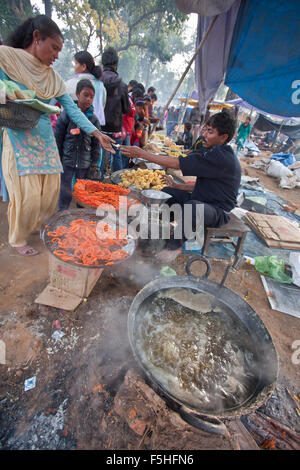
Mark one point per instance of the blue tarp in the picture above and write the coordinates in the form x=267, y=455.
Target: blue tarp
x=285, y=158
x=264, y=63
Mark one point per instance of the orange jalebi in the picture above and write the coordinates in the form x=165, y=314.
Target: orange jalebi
x=95, y=194
x=89, y=243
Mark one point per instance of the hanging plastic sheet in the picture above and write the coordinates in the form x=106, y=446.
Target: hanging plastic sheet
x=211, y=62
x=264, y=63
x=265, y=124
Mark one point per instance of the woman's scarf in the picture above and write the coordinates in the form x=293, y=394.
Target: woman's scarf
x=24, y=68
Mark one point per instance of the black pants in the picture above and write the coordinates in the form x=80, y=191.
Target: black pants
x=65, y=196
x=213, y=216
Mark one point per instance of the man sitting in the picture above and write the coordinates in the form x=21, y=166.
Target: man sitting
x=187, y=137
x=218, y=173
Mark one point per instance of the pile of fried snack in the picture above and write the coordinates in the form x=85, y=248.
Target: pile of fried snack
x=143, y=179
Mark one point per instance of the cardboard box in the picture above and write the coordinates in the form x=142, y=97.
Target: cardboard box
x=68, y=285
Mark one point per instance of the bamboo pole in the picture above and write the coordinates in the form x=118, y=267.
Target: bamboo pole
x=277, y=134
x=185, y=73
x=185, y=106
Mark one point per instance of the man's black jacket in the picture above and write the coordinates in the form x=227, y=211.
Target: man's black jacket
x=76, y=151
x=117, y=101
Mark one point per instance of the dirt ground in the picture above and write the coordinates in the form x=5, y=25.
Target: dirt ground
x=90, y=393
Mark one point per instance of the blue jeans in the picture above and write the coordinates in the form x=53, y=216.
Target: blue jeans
x=170, y=127
x=125, y=160
x=115, y=159
x=65, y=195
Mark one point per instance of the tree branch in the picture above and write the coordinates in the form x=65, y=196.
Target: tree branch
x=132, y=26
x=141, y=18
x=131, y=44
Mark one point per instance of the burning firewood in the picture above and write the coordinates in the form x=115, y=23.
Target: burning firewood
x=271, y=434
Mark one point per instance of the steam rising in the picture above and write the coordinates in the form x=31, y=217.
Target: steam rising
x=207, y=361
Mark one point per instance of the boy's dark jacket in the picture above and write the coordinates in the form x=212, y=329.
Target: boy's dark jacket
x=117, y=101
x=77, y=151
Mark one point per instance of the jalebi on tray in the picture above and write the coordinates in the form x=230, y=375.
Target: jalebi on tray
x=95, y=194
x=88, y=243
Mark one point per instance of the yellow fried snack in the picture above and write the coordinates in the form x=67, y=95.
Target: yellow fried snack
x=142, y=179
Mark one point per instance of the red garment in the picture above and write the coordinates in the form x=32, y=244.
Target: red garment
x=134, y=139
x=129, y=119
x=53, y=118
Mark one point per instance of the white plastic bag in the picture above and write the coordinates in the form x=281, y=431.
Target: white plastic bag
x=297, y=173
x=278, y=170
x=288, y=182
x=294, y=262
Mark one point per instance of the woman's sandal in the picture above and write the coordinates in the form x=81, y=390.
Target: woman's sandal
x=26, y=250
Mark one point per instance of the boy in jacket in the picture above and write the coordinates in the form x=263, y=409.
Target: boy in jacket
x=78, y=150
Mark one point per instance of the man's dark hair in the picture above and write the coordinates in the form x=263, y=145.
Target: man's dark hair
x=133, y=83
x=136, y=93
x=110, y=57
x=188, y=125
x=22, y=36
x=138, y=125
x=140, y=102
x=224, y=123
x=151, y=89
x=249, y=118
x=84, y=83
x=153, y=96
x=141, y=86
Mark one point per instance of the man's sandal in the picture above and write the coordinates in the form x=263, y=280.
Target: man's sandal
x=26, y=250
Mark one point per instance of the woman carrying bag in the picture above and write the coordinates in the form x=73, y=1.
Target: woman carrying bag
x=30, y=160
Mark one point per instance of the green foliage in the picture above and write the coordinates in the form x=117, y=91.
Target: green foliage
x=80, y=20
x=12, y=13
x=64, y=65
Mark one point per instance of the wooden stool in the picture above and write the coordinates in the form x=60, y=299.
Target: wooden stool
x=234, y=228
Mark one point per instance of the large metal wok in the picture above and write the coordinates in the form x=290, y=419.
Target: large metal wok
x=267, y=371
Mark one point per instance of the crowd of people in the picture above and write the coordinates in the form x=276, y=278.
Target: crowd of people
x=104, y=125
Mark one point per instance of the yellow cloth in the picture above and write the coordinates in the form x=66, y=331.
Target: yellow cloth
x=32, y=198
x=24, y=68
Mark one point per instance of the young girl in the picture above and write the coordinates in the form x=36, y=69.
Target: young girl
x=138, y=137
x=85, y=68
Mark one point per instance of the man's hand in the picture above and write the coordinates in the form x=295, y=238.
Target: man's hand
x=133, y=151
x=168, y=180
x=104, y=140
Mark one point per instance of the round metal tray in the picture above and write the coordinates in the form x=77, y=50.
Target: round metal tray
x=116, y=179
x=67, y=216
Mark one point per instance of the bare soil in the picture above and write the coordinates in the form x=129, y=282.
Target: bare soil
x=90, y=393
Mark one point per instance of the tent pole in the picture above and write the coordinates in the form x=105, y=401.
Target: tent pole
x=184, y=109
x=185, y=73
x=277, y=134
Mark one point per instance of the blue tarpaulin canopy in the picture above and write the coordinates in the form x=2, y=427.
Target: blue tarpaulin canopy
x=254, y=45
x=264, y=61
